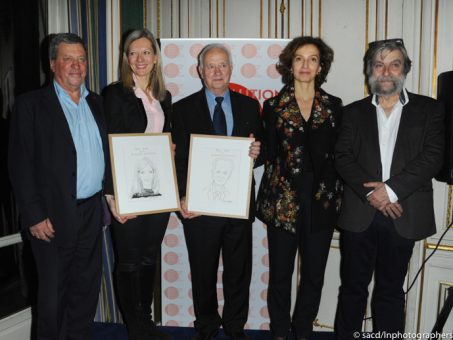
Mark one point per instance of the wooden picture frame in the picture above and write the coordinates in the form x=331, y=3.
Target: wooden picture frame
x=144, y=175
x=220, y=174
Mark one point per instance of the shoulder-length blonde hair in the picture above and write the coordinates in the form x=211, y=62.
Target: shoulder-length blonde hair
x=156, y=80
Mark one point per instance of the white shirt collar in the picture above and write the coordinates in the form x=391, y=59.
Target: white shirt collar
x=404, y=98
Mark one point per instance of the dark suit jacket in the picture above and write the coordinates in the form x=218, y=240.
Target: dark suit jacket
x=43, y=161
x=416, y=160
x=191, y=115
x=125, y=113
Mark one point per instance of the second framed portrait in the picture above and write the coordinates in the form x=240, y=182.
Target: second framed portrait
x=220, y=176
x=144, y=174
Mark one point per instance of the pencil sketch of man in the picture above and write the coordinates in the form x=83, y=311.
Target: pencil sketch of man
x=219, y=189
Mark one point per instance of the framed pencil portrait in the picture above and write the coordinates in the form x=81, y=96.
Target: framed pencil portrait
x=144, y=175
x=219, y=177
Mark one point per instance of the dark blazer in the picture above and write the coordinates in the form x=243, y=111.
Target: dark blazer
x=191, y=116
x=43, y=161
x=285, y=145
x=125, y=113
x=444, y=90
x=417, y=158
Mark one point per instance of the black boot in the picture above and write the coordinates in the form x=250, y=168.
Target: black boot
x=147, y=280
x=128, y=292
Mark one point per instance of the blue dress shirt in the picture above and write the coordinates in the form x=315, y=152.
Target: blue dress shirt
x=226, y=106
x=87, y=141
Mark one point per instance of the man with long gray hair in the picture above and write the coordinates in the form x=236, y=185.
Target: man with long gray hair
x=389, y=148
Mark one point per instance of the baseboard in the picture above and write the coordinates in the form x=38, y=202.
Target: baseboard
x=16, y=326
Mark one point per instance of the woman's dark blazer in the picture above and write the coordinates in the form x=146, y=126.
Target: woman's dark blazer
x=278, y=202
x=125, y=113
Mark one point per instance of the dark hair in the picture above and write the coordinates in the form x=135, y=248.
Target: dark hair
x=67, y=38
x=378, y=47
x=156, y=79
x=284, y=65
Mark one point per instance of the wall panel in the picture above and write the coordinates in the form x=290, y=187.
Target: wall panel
x=346, y=34
x=438, y=277
x=238, y=11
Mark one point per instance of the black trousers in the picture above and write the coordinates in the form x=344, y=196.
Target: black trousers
x=379, y=249
x=138, y=241
x=69, y=279
x=206, y=237
x=313, y=248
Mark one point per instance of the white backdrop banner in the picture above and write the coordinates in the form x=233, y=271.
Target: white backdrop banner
x=254, y=74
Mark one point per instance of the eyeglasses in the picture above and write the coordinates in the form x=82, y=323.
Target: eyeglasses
x=379, y=43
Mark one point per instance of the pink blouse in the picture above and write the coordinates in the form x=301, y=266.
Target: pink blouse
x=154, y=112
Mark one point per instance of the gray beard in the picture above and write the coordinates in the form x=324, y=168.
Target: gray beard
x=375, y=87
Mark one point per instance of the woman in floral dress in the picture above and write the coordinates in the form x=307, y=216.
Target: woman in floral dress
x=299, y=196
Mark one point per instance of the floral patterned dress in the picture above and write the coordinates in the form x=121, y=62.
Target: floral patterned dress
x=286, y=148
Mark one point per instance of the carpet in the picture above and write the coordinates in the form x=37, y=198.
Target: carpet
x=114, y=331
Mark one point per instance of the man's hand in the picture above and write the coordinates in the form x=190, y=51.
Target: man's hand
x=393, y=210
x=112, y=206
x=378, y=198
x=173, y=150
x=43, y=230
x=184, y=212
x=255, y=148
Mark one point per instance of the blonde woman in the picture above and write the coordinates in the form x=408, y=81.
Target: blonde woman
x=138, y=103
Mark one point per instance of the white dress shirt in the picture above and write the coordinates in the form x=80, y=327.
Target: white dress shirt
x=388, y=131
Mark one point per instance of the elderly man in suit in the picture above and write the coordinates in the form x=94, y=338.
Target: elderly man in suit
x=389, y=148
x=57, y=152
x=217, y=110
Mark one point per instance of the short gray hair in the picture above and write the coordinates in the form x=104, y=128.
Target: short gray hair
x=210, y=47
x=66, y=38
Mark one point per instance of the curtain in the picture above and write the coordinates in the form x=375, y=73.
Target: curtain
x=87, y=18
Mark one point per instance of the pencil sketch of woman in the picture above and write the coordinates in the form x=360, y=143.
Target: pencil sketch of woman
x=146, y=179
